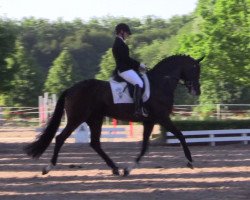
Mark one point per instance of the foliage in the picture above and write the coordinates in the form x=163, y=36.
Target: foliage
x=63, y=73
x=7, y=41
x=25, y=85
x=218, y=29
x=107, y=66
x=224, y=39
x=188, y=125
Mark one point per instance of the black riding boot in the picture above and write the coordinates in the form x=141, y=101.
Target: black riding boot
x=139, y=110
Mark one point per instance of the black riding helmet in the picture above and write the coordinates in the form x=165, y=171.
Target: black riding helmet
x=122, y=27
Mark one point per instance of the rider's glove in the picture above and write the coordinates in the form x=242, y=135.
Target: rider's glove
x=142, y=67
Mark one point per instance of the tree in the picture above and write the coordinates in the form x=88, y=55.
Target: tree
x=25, y=85
x=63, y=73
x=7, y=41
x=224, y=39
x=87, y=47
x=107, y=66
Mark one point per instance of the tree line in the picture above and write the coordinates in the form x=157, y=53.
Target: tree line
x=38, y=55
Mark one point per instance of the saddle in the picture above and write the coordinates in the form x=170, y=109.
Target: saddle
x=123, y=91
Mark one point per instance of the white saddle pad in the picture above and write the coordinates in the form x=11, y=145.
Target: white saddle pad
x=121, y=94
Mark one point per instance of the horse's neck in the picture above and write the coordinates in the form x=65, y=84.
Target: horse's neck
x=167, y=81
x=161, y=74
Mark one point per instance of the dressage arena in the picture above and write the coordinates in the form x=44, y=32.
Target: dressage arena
x=221, y=172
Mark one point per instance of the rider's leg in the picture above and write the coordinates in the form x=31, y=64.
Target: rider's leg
x=132, y=77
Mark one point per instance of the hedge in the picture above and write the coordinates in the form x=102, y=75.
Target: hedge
x=188, y=125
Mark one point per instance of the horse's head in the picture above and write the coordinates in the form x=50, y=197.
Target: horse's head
x=177, y=68
x=190, y=75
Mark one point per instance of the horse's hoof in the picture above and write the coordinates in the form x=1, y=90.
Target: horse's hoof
x=47, y=169
x=190, y=165
x=44, y=171
x=116, y=172
x=126, y=172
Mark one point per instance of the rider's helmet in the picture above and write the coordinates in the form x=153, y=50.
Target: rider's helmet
x=122, y=27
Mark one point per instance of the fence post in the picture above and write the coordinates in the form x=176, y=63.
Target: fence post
x=45, y=105
x=41, y=111
x=54, y=101
x=244, y=135
x=212, y=143
x=218, y=111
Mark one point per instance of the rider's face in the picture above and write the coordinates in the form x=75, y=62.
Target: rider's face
x=124, y=35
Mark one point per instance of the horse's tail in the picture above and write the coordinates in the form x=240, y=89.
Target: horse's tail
x=36, y=148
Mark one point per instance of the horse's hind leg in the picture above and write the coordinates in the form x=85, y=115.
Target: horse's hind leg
x=60, y=139
x=95, y=125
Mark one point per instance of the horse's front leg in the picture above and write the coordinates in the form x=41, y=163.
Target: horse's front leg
x=148, y=127
x=95, y=125
x=168, y=125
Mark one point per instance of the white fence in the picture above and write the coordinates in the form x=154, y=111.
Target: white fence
x=212, y=136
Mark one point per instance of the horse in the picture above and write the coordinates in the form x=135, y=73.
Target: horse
x=91, y=100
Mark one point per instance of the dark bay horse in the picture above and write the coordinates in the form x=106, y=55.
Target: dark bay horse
x=90, y=100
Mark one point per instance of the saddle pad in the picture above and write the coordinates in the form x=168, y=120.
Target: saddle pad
x=121, y=94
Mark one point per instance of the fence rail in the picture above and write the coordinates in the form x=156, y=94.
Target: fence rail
x=212, y=136
x=19, y=116
x=212, y=111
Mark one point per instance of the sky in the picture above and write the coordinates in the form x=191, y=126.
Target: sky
x=69, y=10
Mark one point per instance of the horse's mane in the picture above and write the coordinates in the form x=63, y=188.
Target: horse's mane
x=173, y=58
x=168, y=64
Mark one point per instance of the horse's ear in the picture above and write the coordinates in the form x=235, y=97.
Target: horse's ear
x=200, y=59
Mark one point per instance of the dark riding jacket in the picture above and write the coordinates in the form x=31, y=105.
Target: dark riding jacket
x=121, y=54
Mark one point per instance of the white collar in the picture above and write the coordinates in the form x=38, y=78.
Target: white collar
x=121, y=38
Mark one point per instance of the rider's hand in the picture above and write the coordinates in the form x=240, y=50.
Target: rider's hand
x=142, y=68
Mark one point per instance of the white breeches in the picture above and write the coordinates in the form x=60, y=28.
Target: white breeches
x=132, y=77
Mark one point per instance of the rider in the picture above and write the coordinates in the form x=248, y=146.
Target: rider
x=127, y=66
